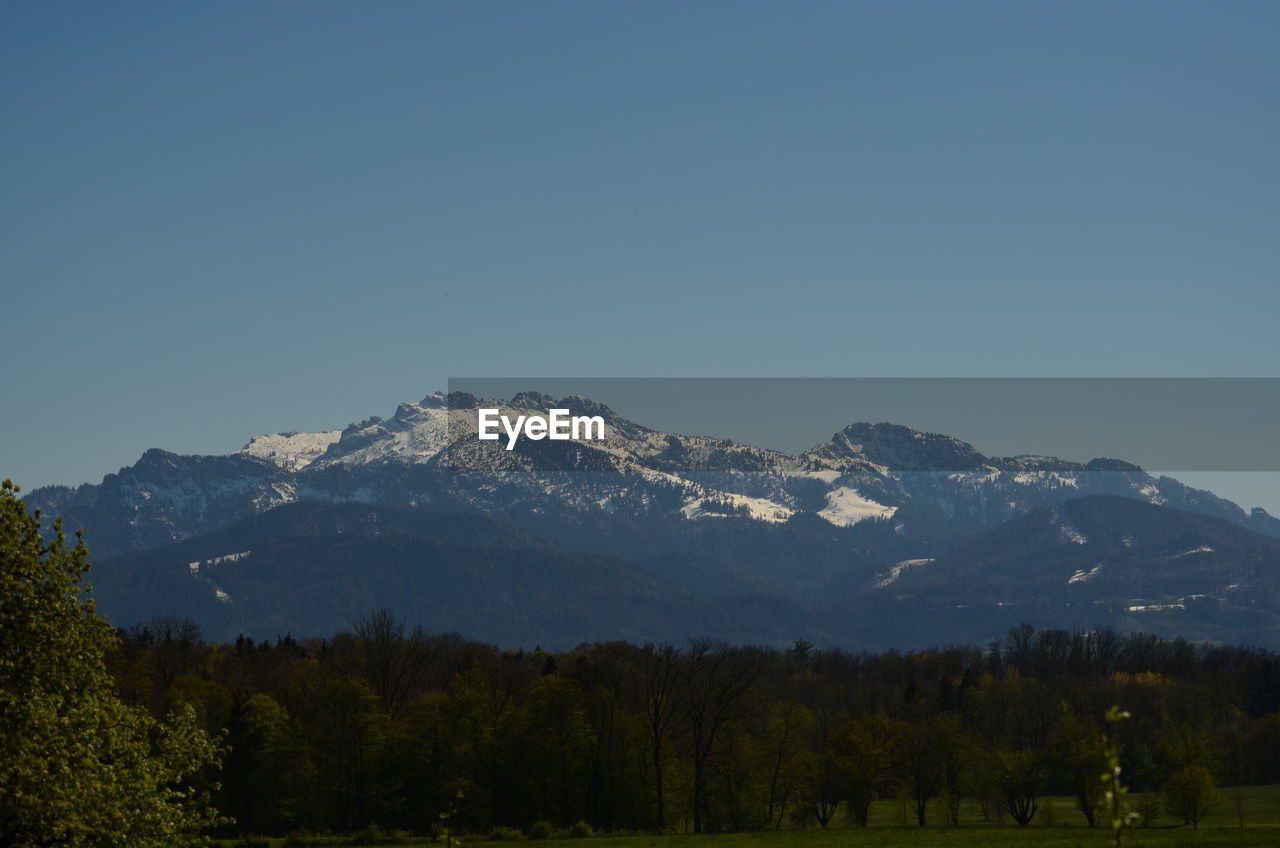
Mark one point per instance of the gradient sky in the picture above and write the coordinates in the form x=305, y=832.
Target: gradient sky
x=223, y=219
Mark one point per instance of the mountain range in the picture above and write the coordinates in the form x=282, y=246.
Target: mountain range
x=882, y=536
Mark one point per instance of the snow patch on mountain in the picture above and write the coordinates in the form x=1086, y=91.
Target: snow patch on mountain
x=1176, y=605
x=194, y=567
x=1045, y=478
x=1070, y=534
x=291, y=451
x=725, y=504
x=1082, y=576
x=1151, y=494
x=895, y=570
x=846, y=507
x=826, y=475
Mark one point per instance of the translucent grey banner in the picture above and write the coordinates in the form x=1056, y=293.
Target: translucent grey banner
x=1164, y=424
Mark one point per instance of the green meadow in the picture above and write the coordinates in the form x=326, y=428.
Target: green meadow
x=1058, y=823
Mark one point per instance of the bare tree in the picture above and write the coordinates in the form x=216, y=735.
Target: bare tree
x=716, y=677
x=661, y=673
x=393, y=663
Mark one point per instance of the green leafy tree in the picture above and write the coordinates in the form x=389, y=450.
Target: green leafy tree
x=1077, y=754
x=558, y=747
x=956, y=752
x=921, y=767
x=867, y=751
x=1018, y=777
x=1190, y=795
x=80, y=768
x=269, y=774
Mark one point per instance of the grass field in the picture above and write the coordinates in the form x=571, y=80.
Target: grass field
x=896, y=837
x=1262, y=830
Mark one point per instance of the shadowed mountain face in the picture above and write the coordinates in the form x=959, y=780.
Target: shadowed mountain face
x=315, y=568
x=881, y=536
x=1090, y=562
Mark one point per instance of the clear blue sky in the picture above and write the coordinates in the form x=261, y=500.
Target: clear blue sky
x=222, y=219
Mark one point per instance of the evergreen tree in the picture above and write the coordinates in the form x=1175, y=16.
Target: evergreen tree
x=80, y=768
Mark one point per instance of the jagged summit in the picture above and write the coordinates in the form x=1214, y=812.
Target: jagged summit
x=532, y=400
x=586, y=406
x=901, y=448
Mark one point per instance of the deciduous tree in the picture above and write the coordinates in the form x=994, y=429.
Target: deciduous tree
x=80, y=768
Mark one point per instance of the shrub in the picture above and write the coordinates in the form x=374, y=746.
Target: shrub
x=542, y=829
x=307, y=839
x=505, y=834
x=374, y=835
x=581, y=830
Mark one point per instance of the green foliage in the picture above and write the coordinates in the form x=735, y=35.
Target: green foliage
x=269, y=773
x=1019, y=779
x=1148, y=808
x=506, y=834
x=1078, y=758
x=557, y=742
x=542, y=829
x=888, y=836
x=1190, y=795
x=605, y=733
x=864, y=755
x=1115, y=793
x=580, y=830
x=374, y=835
x=80, y=768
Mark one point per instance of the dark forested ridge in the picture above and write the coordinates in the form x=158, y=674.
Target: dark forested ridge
x=301, y=567
x=390, y=726
x=1089, y=563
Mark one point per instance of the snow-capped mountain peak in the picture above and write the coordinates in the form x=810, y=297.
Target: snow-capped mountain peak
x=868, y=476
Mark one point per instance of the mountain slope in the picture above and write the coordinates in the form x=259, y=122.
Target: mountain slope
x=309, y=569
x=1090, y=562
x=681, y=524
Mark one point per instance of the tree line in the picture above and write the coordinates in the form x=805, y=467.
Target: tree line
x=387, y=725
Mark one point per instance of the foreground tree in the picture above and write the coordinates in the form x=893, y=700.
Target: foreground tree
x=1077, y=755
x=868, y=749
x=80, y=768
x=1017, y=776
x=1191, y=795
